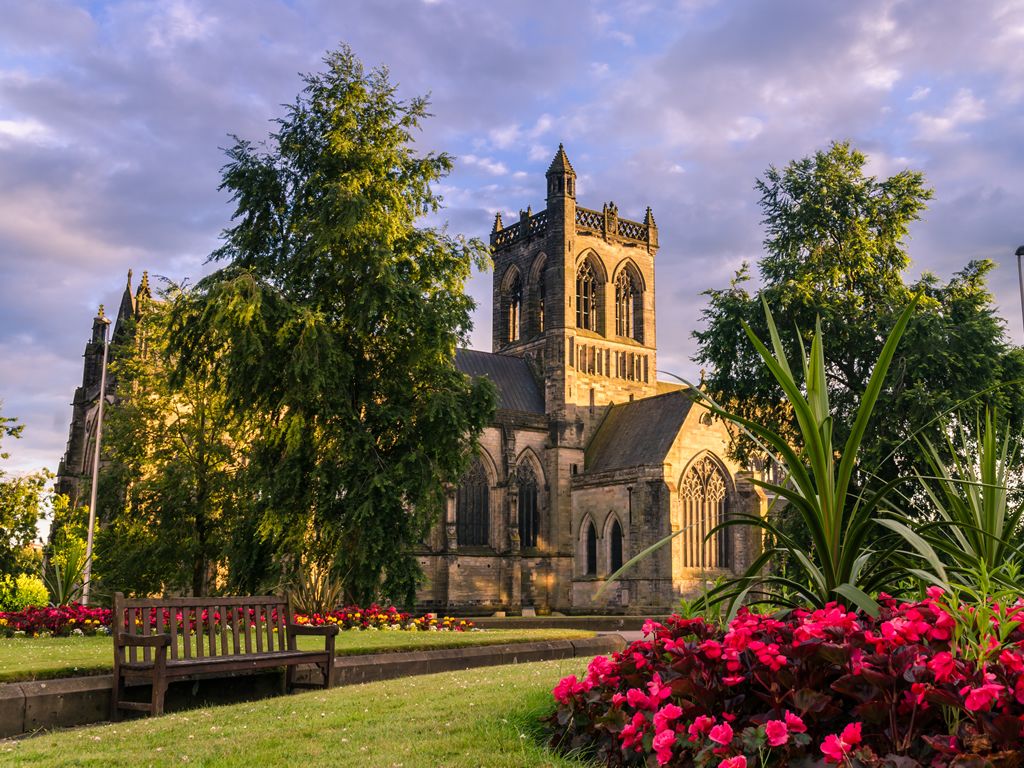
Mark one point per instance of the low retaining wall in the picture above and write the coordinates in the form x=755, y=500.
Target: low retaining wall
x=592, y=623
x=70, y=701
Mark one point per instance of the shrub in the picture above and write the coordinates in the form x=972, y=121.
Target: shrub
x=804, y=687
x=19, y=592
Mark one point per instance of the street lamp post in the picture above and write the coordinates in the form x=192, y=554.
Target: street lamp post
x=1020, y=279
x=87, y=573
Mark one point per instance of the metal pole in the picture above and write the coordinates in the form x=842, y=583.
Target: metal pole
x=87, y=573
x=1020, y=278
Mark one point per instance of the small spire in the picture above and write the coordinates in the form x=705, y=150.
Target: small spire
x=498, y=224
x=560, y=163
x=129, y=278
x=649, y=218
x=144, y=286
x=99, y=312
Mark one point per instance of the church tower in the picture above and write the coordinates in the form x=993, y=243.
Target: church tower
x=574, y=293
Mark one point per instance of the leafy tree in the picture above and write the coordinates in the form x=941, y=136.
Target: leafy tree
x=834, y=251
x=175, y=455
x=333, y=323
x=21, y=507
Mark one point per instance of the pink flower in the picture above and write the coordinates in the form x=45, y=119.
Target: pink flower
x=836, y=748
x=663, y=746
x=564, y=690
x=633, y=734
x=700, y=726
x=982, y=697
x=794, y=723
x=711, y=648
x=664, y=717
x=721, y=734
x=777, y=732
x=734, y=762
x=733, y=679
x=942, y=665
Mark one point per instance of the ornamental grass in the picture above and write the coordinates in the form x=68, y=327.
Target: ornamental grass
x=809, y=687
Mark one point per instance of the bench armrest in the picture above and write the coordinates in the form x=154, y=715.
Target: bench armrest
x=152, y=641
x=327, y=630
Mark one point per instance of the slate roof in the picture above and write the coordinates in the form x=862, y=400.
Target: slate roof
x=638, y=433
x=518, y=390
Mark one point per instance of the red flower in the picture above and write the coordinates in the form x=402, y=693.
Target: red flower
x=721, y=734
x=777, y=732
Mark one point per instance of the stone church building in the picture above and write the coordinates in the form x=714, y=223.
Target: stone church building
x=590, y=459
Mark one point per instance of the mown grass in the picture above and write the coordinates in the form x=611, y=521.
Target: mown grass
x=45, y=658
x=484, y=717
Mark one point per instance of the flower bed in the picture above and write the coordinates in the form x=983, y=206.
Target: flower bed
x=810, y=687
x=60, y=621
x=375, y=617
x=76, y=619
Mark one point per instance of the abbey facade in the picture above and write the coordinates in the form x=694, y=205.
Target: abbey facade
x=590, y=459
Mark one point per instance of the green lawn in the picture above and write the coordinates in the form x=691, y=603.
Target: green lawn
x=44, y=658
x=485, y=717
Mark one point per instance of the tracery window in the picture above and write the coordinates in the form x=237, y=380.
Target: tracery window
x=628, y=306
x=542, y=292
x=586, y=297
x=514, y=298
x=591, y=553
x=529, y=514
x=473, y=507
x=703, y=496
x=615, y=548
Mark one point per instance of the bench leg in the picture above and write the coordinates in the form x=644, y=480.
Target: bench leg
x=116, y=694
x=289, y=678
x=159, y=683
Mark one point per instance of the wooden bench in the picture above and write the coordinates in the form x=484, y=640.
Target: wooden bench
x=160, y=640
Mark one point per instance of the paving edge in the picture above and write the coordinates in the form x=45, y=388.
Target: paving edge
x=64, y=702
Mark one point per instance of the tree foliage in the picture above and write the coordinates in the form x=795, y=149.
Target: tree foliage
x=332, y=324
x=835, y=252
x=21, y=507
x=172, y=489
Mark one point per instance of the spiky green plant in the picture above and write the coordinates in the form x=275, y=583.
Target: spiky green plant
x=820, y=486
x=973, y=538
x=64, y=572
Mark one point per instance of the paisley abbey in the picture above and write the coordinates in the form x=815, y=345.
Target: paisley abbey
x=590, y=459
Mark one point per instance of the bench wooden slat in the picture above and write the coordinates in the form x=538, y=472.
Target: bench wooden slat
x=199, y=633
x=247, y=624
x=223, y=611
x=147, y=652
x=173, y=630
x=133, y=629
x=258, y=621
x=235, y=620
x=186, y=632
x=268, y=611
x=211, y=624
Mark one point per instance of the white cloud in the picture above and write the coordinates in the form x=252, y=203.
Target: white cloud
x=964, y=108
x=920, y=92
x=486, y=164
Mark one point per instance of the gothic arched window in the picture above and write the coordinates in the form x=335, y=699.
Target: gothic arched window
x=514, y=301
x=703, y=496
x=615, y=548
x=529, y=514
x=591, y=550
x=542, y=292
x=586, y=297
x=628, y=306
x=473, y=507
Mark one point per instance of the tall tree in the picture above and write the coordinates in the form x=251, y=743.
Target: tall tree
x=835, y=250
x=21, y=507
x=172, y=488
x=333, y=322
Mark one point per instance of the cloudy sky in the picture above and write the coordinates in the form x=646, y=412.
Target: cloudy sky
x=112, y=116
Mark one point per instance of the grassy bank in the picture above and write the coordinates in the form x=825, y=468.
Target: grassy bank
x=485, y=717
x=46, y=658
